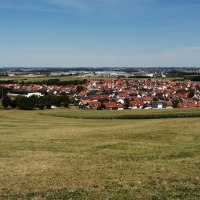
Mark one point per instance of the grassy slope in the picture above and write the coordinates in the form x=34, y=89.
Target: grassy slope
x=57, y=158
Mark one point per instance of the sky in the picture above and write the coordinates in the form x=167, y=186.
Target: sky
x=94, y=33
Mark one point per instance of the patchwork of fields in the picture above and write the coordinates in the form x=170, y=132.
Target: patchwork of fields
x=48, y=157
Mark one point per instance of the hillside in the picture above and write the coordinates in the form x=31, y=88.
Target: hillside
x=46, y=157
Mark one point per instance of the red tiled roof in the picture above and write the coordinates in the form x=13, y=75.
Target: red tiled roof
x=110, y=105
x=136, y=103
x=93, y=103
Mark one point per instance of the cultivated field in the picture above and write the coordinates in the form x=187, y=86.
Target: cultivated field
x=32, y=78
x=48, y=157
x=124, y=114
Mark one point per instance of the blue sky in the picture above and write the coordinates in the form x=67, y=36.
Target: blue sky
x=70, y=33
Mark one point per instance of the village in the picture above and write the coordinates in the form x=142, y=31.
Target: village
x=118, y=94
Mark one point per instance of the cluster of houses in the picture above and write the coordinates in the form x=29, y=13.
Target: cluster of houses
x=123, y=94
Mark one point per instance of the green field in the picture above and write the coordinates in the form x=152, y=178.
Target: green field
x=33, y=78
x=48, y=157
x=124, y=114
x=27, y=78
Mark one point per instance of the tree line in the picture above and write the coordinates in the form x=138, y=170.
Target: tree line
x=55, y=81
x=35, y=102
x=58, y=82
x=4, y=91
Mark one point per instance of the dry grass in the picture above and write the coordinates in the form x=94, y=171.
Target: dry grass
x=45, y=157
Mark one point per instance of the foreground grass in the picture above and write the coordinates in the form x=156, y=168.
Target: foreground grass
x=45, y=157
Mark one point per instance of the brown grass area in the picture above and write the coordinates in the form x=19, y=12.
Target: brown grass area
x=45, y=157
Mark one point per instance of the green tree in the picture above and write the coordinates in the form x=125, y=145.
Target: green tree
x=191, y=93
x=64, y=100
x=46, y=101
x=79, y=88
x=24, y=103
x=6, y=101
x=14, y=103
x=175, y=103
x=126, y=103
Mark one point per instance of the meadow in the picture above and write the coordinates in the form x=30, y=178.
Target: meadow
x=44, y=156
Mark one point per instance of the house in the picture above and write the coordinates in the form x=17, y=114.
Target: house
x=123, y=96
x=34, y=93
x=93, y=104
x=97, y=97
x=147, y=100
x=120, y=107
x=158, y=104
x=187, y=104
x=15, y=93
x=136, y=104
x=83, y=102
x=110, y=106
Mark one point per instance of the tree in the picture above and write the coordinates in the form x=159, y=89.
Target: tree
x=4, y=91
x=25, y=103
x=6, y=101
x=46, y=101
x=126, y=103
x=43, y=91
x=191, y=93
x=13, y=103
x=56, y=101
x=66, y=104
x=64, y=100
x=175, y=103
x=34, y=99
x=79, y=88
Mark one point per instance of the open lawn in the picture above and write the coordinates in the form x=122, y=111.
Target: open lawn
x=47, y=157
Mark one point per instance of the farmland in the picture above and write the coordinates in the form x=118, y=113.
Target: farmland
x=124, y=114
x=44, y=156
x=34, y=78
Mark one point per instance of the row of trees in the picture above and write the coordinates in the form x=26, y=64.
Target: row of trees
x=58, y=82
x=4, y=91
x=55, y=81
x=34, y=102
